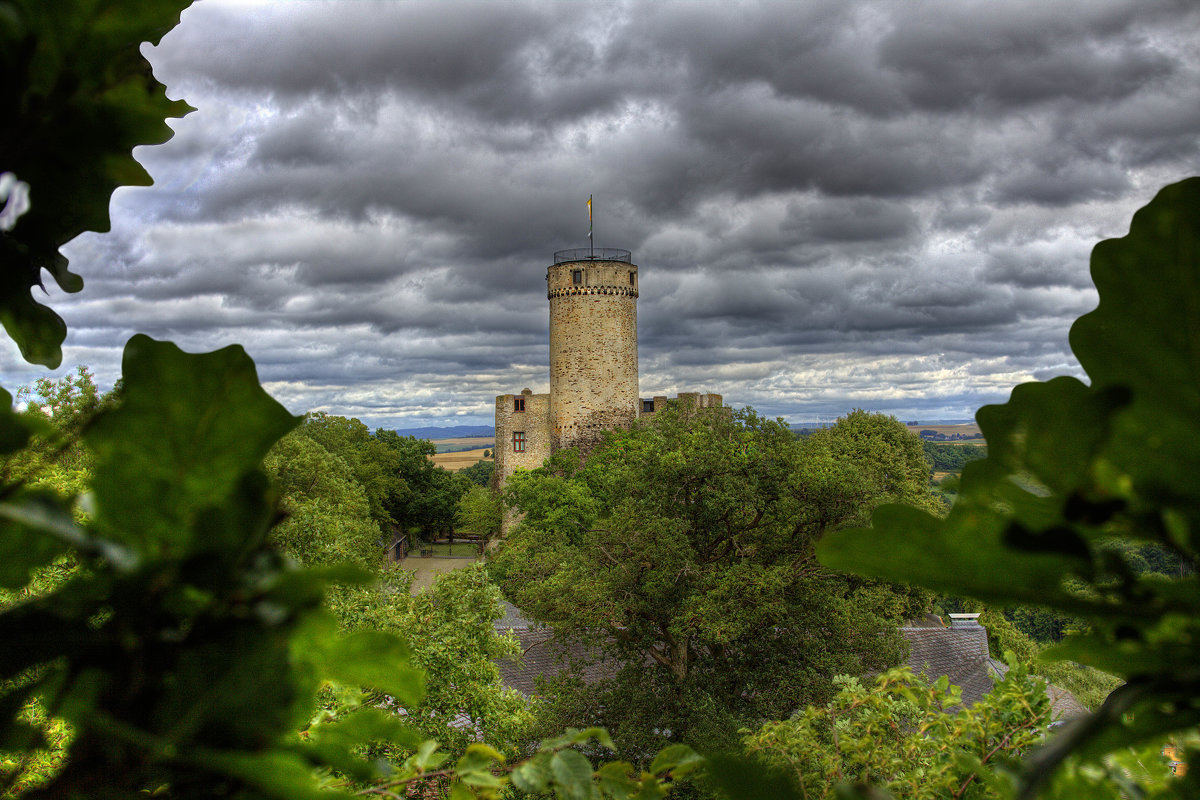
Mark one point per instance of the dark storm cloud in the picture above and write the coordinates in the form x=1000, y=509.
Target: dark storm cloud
x=1002, y=56
x=833, y=204
x=302, y=49
x=856, y=221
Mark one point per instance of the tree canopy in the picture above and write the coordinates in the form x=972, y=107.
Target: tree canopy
x=900, y=733
x=404, y=488
x=683, y=550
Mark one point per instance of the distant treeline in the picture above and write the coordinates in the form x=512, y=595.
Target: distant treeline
x=952, y=457
x=450, y=432
x=937, y=436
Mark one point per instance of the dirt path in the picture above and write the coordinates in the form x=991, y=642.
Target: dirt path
x=429, y=568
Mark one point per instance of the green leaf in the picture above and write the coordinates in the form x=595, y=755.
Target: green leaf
x=599, y=734
x=615, y=780
x=378, y=660
x=532, y=776
x=651, y=789
x=15, y=734
x=427, y=757
x=572, y=774
x=275, y=773
x=679, y=759
x=24, y=545
x=79, y=96
x=743, y=779
x=15, y=429
x=475, y=766
x=216, y=692
x=188, y=428
x=365, y=726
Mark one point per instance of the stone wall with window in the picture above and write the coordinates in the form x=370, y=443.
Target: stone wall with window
x=522, y=432
x=690, y=399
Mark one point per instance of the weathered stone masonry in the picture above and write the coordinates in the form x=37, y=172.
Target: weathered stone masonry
x=593, y=365
x=522, y=431
x=593, y=350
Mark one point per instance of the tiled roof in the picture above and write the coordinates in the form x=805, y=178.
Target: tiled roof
x=960, y=653
x=545, y=655
x=512, y=619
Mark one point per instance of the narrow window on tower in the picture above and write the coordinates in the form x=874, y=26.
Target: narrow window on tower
x=577, y=277
x=518, y=441
x=631, y=281
x=518, y=404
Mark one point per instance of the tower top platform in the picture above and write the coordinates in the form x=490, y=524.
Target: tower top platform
x=593, y=254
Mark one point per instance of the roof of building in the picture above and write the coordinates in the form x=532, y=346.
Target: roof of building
x=543, y=655
x=960, y=652
x=512, y=619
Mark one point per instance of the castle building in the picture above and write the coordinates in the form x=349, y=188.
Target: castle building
x=593, y=295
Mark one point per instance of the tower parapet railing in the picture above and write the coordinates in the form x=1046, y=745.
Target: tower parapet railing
x=593, y=254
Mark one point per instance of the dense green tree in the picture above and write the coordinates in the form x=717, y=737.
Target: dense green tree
x=58, y=411
x=880, y=462
x=450, y=628
x=404, y=488
x=683, y=549
x=377, y=468
x=952, y=457
x=901, y=734
x=68, y=402
x=429, y=497
x=327, y=514
x=480, y=511
x=480, y=473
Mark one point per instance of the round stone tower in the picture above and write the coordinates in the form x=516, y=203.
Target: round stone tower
x=593, y=344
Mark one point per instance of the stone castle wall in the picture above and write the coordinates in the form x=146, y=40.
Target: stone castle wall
x=691, y=399
x=593, y=350
x=533, y=422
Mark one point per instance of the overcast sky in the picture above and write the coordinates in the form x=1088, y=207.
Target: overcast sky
x=883, y=205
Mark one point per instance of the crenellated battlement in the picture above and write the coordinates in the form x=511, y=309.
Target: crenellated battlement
x=623, y=291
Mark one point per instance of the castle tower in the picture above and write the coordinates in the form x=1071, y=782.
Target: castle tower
x=593, y=344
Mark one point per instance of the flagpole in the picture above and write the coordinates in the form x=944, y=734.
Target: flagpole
x=591, y=239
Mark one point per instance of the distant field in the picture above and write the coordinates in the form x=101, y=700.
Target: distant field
x=965, y=429
x=460, y=460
